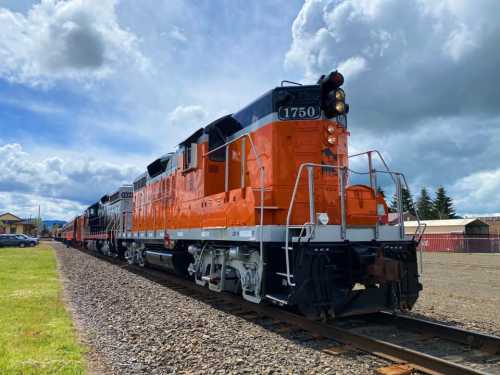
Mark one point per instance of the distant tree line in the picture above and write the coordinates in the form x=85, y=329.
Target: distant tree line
x=438, y=208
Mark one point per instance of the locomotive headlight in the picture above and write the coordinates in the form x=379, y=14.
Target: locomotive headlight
x=340, y=95
x=323, y=218
x=331, y=140
x=331, y=129
x=340, y=107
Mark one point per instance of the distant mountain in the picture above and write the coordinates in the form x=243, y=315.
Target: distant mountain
x=50, y=223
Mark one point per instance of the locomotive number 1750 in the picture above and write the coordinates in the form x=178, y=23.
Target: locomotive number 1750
x=299, y=113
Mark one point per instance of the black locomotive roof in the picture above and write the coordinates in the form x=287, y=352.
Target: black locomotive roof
x=159, y=166
x=193, y=137
x=92, y=210
x=225, y=126
x=94, y=205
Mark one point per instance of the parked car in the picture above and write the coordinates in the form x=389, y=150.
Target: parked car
x=15, y=240
x=29, y=238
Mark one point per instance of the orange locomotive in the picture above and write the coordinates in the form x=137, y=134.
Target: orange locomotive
x=260, y=203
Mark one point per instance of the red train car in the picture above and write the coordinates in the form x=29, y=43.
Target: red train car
x=67, y=232
x=78, y=229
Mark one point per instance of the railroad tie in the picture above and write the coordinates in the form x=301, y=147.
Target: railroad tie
x=397, y=369
x=336, y=350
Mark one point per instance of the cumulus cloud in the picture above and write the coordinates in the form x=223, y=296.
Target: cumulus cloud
x=190, y=116
x=56, y=39
x=26, y=205
x=80, y=181
x=353, y=66
x=441, y=152
x=478, y=191
x=411, y=58
x=422, y=82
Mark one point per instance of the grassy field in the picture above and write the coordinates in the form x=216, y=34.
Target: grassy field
x=37, y=335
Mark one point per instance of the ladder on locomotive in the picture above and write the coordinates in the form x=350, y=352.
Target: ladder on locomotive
x=261, y=189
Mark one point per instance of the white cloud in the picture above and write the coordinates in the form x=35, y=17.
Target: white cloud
x=478, y=192
x=77, y=39
x=190, y=116
x=390, y=34
x=178, y=35
x=81, y=180
x=353, y=66
x=26, y=205
x=422, y=83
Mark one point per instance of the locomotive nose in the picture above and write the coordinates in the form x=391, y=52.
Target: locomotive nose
x=346, y=279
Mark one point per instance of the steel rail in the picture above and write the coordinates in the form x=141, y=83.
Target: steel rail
x=420, y=361
x=473, y=339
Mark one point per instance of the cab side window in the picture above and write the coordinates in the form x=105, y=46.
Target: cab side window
x=190, y=156
x=215, y=140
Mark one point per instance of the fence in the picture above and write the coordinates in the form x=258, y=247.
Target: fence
x=460, y=243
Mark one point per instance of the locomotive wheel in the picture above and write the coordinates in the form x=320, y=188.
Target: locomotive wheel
x=129, y=256
x=140, y=259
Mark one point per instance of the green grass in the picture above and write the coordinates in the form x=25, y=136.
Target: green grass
x=37, y=335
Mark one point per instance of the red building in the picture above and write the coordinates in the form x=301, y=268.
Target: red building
x=455, y=235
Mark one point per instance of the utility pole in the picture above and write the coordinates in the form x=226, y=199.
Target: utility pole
x=39, y=222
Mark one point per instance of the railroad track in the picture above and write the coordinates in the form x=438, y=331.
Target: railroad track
x=411, y=344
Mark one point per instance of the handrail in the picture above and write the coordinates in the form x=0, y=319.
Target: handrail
x=368, y=153
x=261, y=173
x=418, y=234
x=397, y=177
x=292, y=201
x=418, y=227
x=388, y=171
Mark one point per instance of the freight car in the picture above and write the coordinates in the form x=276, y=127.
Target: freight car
x=261, y=203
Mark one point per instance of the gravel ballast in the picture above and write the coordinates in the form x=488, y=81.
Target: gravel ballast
x=136, y=326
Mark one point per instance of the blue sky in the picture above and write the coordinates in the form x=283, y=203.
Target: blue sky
x=91, y=91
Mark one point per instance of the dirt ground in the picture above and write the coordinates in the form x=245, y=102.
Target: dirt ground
x=463, y=289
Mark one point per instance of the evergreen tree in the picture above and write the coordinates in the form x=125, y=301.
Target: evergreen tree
x=393, y=206
x=408, y=205
x=407, y=202
x=443, y=205
x=425, y=206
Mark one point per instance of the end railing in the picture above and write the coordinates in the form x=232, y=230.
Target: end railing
x=397, y=177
